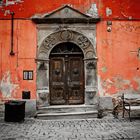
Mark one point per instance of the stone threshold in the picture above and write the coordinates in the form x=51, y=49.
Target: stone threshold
x=66, y=106
x=67, y=114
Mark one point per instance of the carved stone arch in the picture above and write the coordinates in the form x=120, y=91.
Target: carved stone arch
x=66, y=36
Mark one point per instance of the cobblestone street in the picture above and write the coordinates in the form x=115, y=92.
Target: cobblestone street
x=93, y=129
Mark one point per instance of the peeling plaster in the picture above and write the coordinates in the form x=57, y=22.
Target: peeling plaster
x=129, y=93
x=93, y=11
x=120, y=83
x=137, y=79
x=108, y=12
x=6, y=86
x=10, y=2
x=6, y=3
x=113, y=86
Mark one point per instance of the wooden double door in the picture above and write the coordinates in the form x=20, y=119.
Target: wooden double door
x=66, y=80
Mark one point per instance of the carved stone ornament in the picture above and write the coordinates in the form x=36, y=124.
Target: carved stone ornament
x=91, y=65
x=66, y=36
x=49, y=42
x=83, y=41
x=90, y=54
x=67, y=14
x=41, y=66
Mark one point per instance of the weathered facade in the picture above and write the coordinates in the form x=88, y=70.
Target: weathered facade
x=69, y=52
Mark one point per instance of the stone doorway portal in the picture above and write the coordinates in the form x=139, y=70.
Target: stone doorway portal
x=63, y=27
x=64, y=48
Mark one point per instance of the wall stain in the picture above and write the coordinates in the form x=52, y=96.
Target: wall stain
x=104, y=69
x=110, y=42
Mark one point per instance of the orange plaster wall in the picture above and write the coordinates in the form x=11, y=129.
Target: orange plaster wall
x=119, y=63
x=41, y=6
x=11, y=67
x=120, y=8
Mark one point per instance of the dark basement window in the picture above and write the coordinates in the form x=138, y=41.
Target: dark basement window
x=28, y=75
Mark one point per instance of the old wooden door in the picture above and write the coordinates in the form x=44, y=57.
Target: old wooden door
x=66, y=79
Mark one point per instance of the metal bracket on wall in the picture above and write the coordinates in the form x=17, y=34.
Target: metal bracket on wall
x=138, y=53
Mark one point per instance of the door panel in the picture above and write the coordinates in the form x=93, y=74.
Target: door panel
x=57, y=86
x=76, y=84
x=66, y=80
x=57, y=95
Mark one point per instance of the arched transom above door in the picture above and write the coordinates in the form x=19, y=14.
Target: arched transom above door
x=66, y=36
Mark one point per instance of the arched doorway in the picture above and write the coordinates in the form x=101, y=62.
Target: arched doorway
x=66, y=72
x=66, y=47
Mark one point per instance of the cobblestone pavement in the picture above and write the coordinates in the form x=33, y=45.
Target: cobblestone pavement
x=93, y=129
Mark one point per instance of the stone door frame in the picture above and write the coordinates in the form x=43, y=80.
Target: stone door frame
x=90, y=62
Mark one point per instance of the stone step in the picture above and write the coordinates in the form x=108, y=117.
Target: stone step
x=66, y=109
x=67, y=112
x=2, y=109
x=70, y=115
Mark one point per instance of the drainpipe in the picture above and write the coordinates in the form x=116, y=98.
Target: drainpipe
x=12, y=33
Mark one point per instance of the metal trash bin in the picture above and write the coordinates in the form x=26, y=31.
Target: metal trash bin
x=14, y=111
